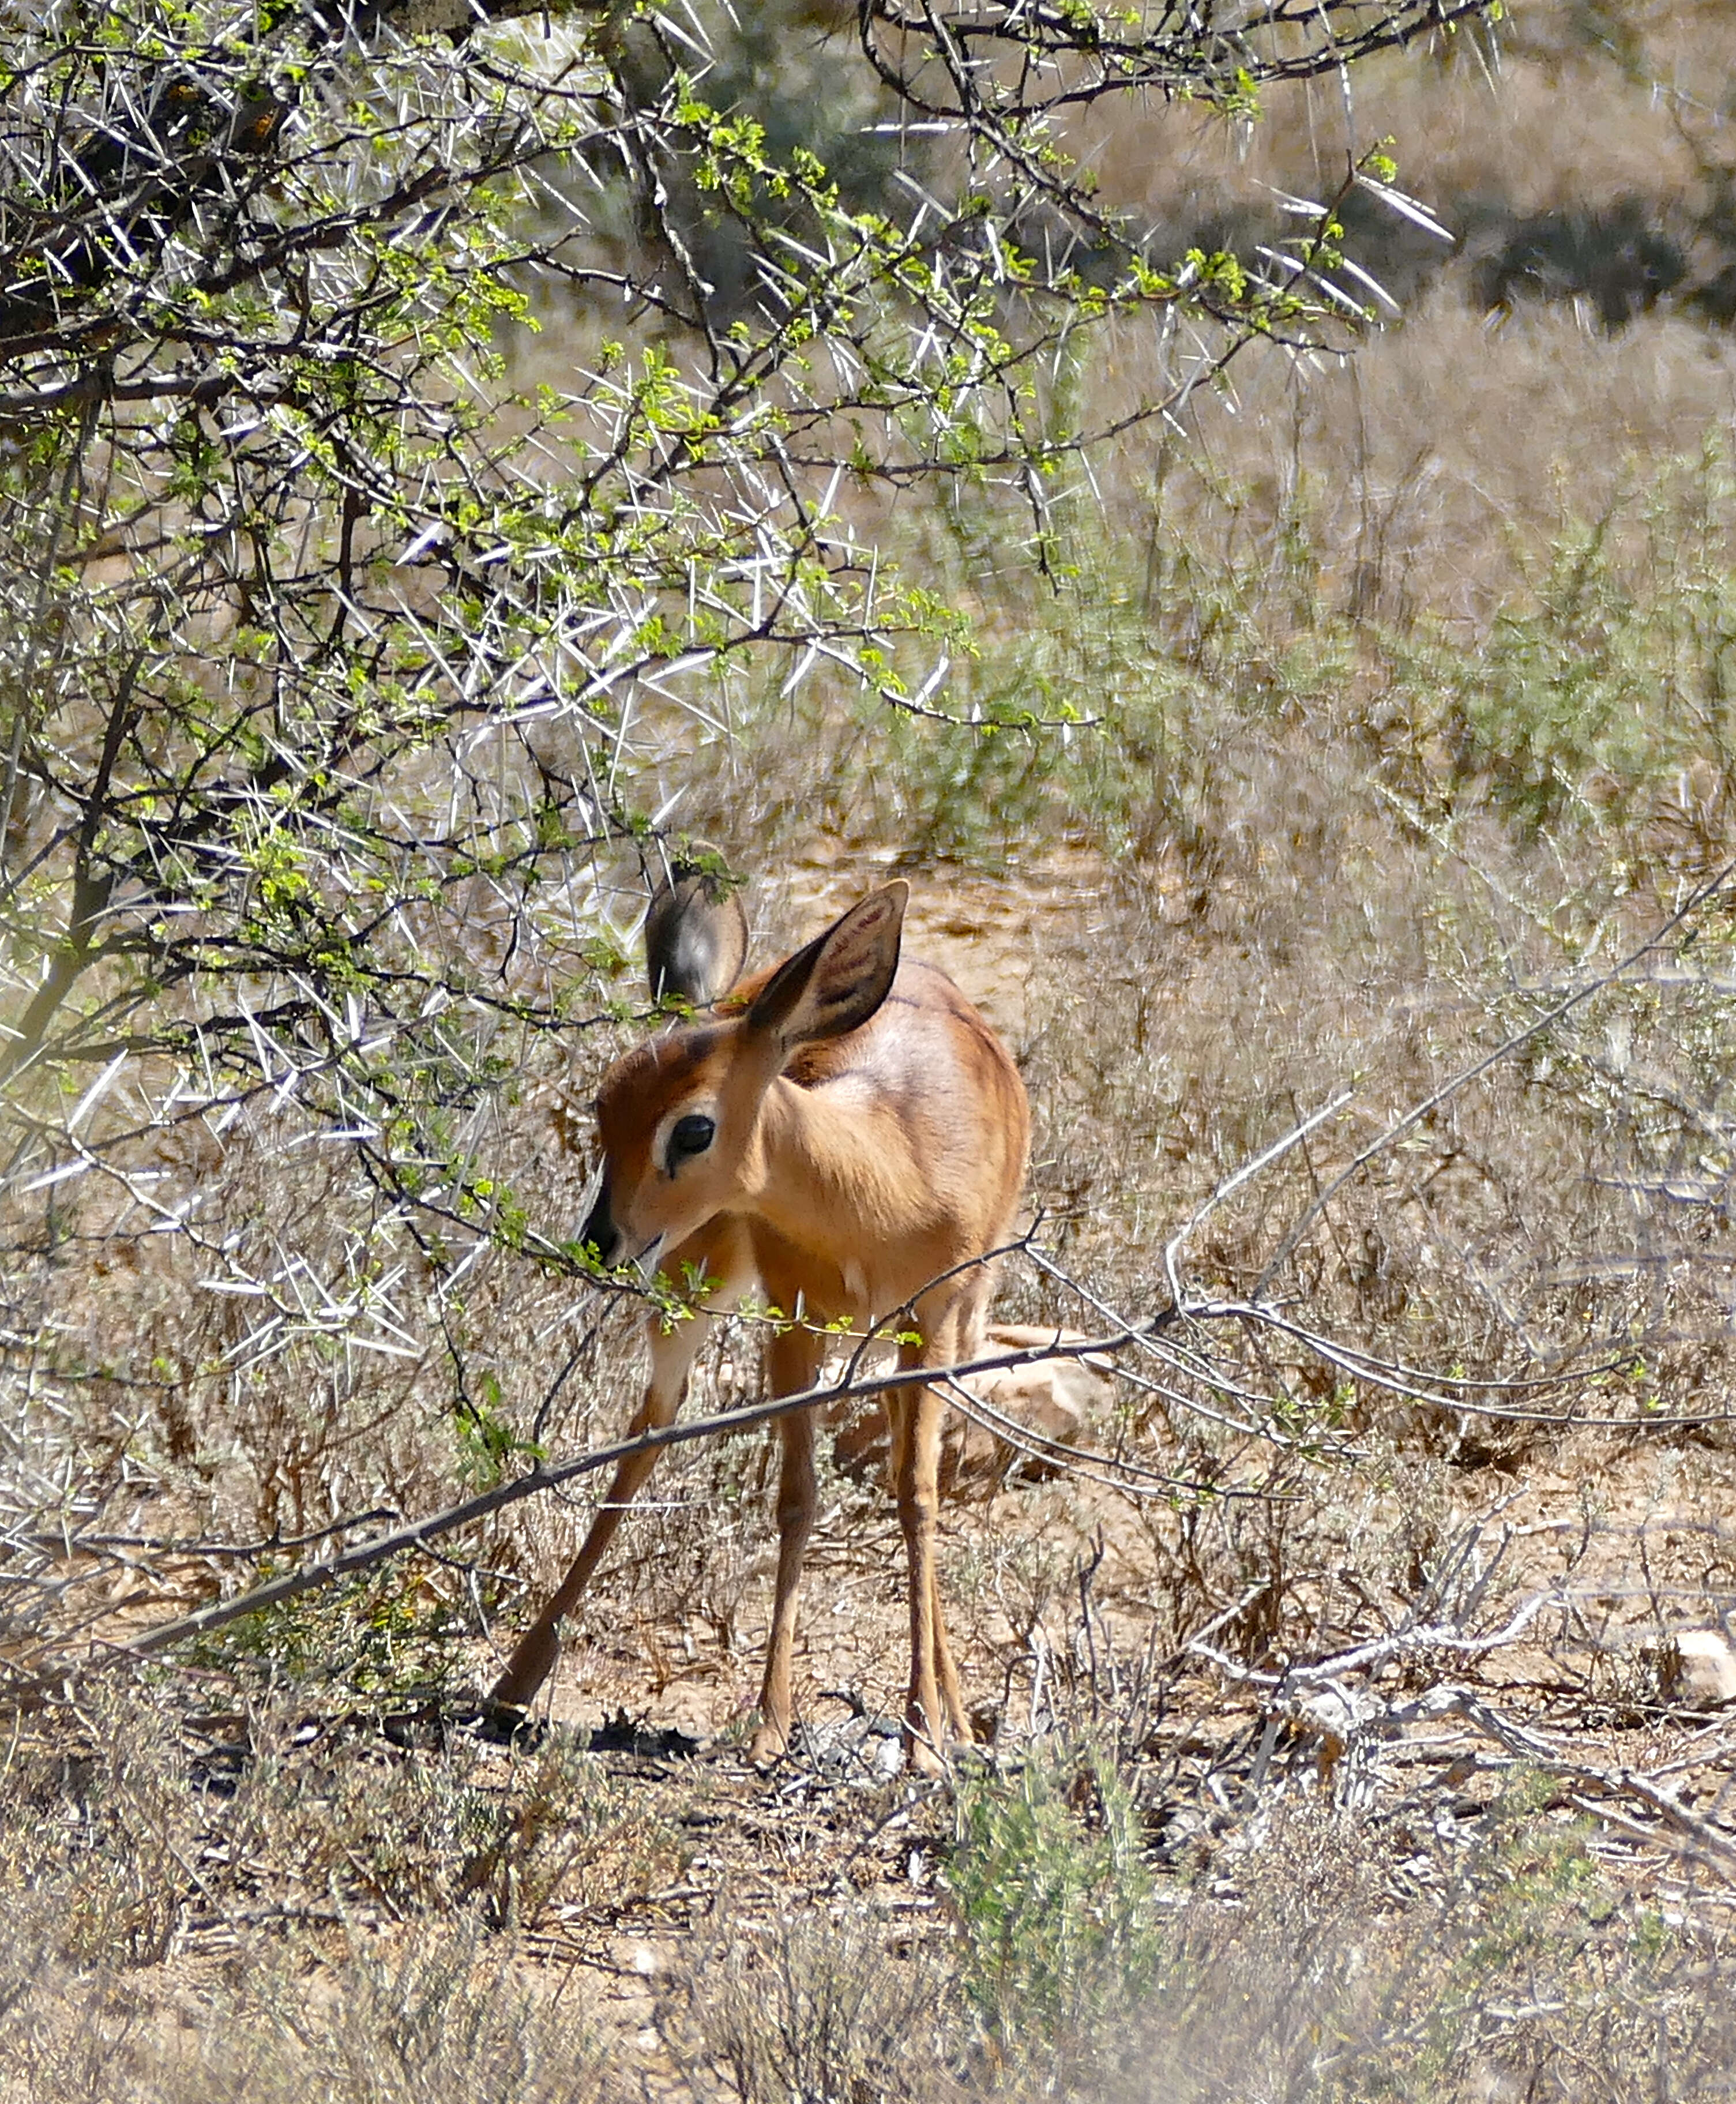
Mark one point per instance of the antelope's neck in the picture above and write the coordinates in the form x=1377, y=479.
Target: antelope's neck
x=832, y=1166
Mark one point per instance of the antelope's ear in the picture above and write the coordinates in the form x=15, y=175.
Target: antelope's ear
x=840, y=979
x=695, y=932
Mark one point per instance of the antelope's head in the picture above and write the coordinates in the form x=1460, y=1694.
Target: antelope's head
x=680, y=1117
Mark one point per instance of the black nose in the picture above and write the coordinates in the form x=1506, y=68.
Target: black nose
x=600, y=1233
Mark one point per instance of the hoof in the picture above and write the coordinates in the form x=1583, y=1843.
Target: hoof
x=931, y=1753
x=923, y=1757
x=505, y=1724
x=770, y=1743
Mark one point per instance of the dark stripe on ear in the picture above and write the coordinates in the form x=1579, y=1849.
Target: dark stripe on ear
x=847, y=997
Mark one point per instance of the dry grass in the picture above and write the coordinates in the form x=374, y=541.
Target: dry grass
x=410, y=2021
x=1566, y=103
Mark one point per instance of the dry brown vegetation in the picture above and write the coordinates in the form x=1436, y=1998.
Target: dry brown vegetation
x=1350, y=1752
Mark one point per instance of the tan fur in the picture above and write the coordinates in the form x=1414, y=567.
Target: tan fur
x=848, y=1174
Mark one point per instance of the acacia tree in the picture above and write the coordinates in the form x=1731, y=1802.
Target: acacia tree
x=323, y=646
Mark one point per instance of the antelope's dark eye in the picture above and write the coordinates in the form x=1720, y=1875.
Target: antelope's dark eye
x=690, y=1135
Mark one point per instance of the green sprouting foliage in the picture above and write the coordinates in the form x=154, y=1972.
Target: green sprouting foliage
x=379, y=1636
x=1060, y=1929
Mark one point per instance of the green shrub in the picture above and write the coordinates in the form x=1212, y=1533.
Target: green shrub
x=1055, y=1898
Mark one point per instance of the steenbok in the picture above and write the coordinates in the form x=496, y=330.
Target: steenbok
x=847, y=1135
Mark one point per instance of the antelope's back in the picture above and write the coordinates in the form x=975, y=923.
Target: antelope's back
x=929, y=1058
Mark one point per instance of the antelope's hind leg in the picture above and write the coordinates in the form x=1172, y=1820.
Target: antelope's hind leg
x=934, y=1716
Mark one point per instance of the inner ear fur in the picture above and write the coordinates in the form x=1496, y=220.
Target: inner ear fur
x=839, y=980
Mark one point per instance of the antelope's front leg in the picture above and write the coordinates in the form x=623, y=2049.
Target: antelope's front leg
x=792, y=1362
x=672, y=1353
